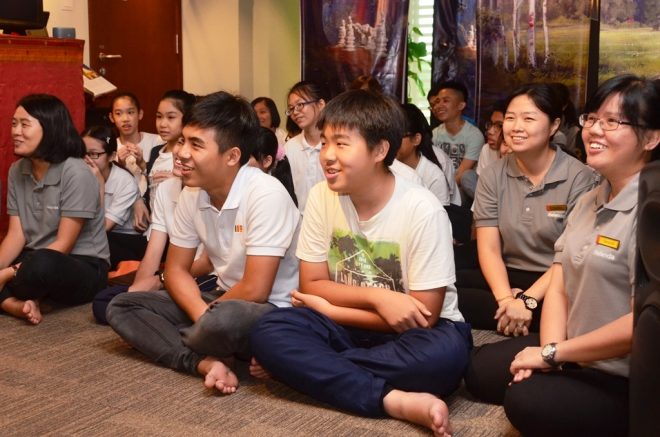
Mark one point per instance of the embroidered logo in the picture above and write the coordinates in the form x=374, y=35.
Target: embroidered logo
x=238, y=228
x=608, y=242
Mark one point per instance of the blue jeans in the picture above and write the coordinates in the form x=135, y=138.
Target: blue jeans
x=154, y=324
x=354, y=369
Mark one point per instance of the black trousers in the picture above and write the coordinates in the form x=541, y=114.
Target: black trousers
x=125, y=247
x=66, y=279
x=576, y=401
x=572, y=402
x=477, y=303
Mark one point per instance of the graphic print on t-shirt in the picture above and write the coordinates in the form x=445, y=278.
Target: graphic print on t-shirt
x=353, y=260
x=454, y=151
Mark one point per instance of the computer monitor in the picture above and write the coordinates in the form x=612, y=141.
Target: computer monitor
x=17, y=16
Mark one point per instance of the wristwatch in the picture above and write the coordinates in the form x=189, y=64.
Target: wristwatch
x=530, y=302
x=548, y=353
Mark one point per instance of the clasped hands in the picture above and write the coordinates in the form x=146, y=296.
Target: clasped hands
x=512, y=316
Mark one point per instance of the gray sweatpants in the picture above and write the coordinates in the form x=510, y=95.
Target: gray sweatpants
x=154, y=324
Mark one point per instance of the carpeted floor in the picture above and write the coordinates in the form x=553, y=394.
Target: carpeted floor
x=70, y=376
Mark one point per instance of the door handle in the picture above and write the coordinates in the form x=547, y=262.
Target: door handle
x=103, y=56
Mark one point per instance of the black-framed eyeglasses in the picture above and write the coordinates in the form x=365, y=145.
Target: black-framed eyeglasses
x=95, y=155
x=494, y=124
x=588, y=120
x=298, y=106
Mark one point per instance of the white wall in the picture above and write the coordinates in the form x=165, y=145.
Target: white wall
x=251, y=47
x=69, y=13
x=276, y=49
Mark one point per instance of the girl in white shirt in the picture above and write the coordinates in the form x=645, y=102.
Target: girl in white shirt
x=416, y=152
x=269, y=117
x=304, y=105
x=118, y=191
x=169, y=123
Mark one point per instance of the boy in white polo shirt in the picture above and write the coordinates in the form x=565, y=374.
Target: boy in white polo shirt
x=248, y=224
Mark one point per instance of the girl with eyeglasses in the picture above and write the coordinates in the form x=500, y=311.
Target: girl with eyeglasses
x=574, y=379
x=56, y=246
x=119, y=192
x=304, y=104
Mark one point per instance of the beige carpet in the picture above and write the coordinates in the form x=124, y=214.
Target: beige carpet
x=70, y=376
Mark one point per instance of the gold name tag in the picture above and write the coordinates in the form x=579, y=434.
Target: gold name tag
x=608, y=242
x=556, y=211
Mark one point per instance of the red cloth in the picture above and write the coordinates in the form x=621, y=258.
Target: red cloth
x=36, y=65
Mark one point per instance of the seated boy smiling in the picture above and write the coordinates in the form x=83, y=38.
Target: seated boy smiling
x=375, y=329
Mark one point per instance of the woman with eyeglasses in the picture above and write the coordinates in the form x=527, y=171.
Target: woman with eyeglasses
x=304, y=104
x=119, y=192
x=520, y=207
x=56, y=246
x=574, y=379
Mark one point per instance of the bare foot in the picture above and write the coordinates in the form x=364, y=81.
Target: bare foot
x=257, y=371
x=420, y=408
x=218, y=375
x=23, y=309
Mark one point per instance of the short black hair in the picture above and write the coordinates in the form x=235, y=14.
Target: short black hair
x=450, y=84
x=544, y=96
x=231, y=117
x=375, y=116
x=182, y=100
x=499, y=106
x=126, y=95
x=104, y=134
x=60, y=139
x=265, y=144
x=275, y=119
x=640, y=100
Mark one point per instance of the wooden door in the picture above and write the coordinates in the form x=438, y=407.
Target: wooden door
x=136, y=44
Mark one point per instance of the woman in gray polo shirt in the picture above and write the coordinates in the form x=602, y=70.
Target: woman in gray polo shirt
x=520, y=208
x=56, y=245
x=574, y=379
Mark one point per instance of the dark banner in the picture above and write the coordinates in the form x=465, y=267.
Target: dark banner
x=455, y=46
x=345, y=39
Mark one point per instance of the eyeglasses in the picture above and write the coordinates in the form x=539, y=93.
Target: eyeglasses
x=588, y=120
x=298, y=106
x=95, y=155
x=494, y=124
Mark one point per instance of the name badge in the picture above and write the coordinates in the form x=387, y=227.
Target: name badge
x=556, y=211
x=612, y=243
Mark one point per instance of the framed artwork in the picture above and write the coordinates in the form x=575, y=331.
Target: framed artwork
x=522, y=41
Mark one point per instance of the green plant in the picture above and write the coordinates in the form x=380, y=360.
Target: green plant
x=416, y=53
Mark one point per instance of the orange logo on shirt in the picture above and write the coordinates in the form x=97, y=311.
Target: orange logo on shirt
x=238, y=228
x=608, y=242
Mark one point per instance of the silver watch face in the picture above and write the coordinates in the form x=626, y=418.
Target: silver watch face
x=531, y=303
x=547, y=351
